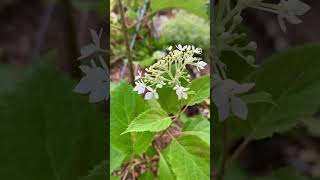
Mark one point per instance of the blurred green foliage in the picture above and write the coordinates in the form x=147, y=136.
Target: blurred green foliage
x=186, y=28
x=47, y=131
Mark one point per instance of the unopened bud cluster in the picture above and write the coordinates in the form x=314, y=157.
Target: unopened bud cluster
x=228, y=19
x=169, y=71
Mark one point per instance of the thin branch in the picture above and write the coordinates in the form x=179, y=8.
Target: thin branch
x=239, y=149
x=140, y=20
x=126, y=38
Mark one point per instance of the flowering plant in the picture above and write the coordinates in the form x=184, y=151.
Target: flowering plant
x=157, y=117
x=160, y=74
x=233, y=93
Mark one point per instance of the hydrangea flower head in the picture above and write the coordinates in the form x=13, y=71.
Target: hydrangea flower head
x=170, y=71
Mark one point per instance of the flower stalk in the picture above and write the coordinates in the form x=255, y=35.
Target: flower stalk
x=126, y=39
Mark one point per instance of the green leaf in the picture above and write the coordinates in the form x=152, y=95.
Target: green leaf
x=292, y=78
x=98, y=173
x=125, y=106
x=116, y=158
x=148, y=175
x=153, y=120
x=113, y=86
x=164, y=172
x=168, y=100
x=201, y=88
x=47, y=131
x=198, y=126
x=257, y=97
x=197, y=7
x=189, y=158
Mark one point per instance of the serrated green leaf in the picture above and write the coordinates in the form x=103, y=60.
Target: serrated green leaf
x=198, y=126
x=153, y=120
x=116, y=158
x=201, y=88
x=47, y=131
x=164, y=172
x=125, y=106
x=189, y=158
x=197, y=7
x=292, y=78
x=168, y=100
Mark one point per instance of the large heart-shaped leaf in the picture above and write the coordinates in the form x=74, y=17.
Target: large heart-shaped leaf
x=292, y=78
x=198, y=126
x=189, y=157
x=164, y=171
x=125, y=106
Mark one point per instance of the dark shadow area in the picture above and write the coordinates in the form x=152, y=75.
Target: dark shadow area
x=48, y=131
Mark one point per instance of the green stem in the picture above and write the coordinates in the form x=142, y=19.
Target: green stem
x=239, y=149
x=126, y=39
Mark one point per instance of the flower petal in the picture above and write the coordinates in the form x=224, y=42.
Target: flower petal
x=239, y=107
x=148, y=96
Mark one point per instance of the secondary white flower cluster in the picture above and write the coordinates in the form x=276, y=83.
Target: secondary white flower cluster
x=169, y=71
x=228, y=18
x=228, y=37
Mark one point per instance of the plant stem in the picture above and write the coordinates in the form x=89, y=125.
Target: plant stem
x=126, y=39
x=239, y=149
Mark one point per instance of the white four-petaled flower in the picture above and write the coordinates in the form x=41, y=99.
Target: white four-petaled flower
x=151, y=94
x=140, y=87
x=179, y=46
x=181, y=92
x=197, y=50
x=289, y=10
x=138, y=76
x=200, y=65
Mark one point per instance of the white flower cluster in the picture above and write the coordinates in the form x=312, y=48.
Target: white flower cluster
x=228, y=18
x=169, y=71
x=226, y=37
